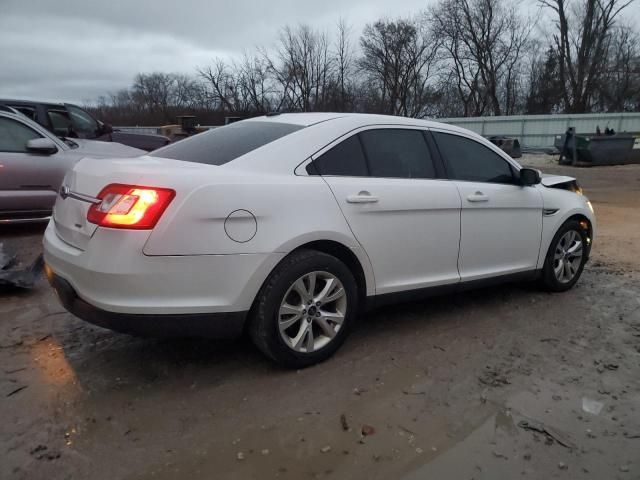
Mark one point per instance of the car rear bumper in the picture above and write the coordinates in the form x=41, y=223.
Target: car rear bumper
x=113, y=284
x=211, y=325
x=31, y=216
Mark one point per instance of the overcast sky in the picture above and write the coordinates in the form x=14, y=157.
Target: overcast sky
x=77, y=50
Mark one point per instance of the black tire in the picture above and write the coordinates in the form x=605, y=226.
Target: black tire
x=263, y=323
x=549, y=280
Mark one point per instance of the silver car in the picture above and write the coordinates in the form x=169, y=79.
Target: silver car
x=33, y=163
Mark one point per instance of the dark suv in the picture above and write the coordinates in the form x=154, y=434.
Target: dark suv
x=67, y=120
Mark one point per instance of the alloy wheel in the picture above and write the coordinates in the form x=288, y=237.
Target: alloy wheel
x=312, y=311
x=567, y=256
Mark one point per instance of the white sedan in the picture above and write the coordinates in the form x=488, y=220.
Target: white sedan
x=287, y=226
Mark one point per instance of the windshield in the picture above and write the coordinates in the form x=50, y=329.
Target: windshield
x=224, y=144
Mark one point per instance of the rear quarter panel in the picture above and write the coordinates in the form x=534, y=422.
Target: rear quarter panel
x=288, y=211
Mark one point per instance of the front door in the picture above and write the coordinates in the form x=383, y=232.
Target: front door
x=501, y=220
x=28, y=181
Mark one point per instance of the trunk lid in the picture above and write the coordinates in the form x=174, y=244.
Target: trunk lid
x=90, y=176
x=70, y=214
x=97, y=148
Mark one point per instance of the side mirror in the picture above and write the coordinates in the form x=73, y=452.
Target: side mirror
x=105, y=128
x=529, y=176
x=44, y=146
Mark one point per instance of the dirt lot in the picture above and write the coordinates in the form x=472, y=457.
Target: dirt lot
x=499, y=383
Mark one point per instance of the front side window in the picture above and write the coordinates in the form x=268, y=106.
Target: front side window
x=224, y=144
x=397, y=153
x=346, y=159
x=82, y=122
x=14, y=136
x=471, y=161
x=60, y=122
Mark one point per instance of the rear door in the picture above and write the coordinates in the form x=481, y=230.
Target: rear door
x=501, y=220
x=406, y=218
x=28, y=181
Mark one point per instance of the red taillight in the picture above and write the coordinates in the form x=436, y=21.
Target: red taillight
x=130, y=206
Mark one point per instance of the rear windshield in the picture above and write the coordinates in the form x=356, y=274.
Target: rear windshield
x=224, y=144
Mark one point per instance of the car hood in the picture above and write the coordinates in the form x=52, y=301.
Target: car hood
x=551, y=180
x=95, y=148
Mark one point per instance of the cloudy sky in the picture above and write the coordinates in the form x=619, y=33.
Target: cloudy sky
x=76, y=50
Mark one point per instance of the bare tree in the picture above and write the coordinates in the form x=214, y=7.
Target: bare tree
x=185, y=92
x=255, y=84
x=343, y=59
x=582, y=35
x=302, y=66
x=152, y=91
x=221, y=85
x=484, y=41
x=619, y=86
x=398, y=57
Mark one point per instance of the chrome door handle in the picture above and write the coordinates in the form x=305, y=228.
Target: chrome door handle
x=478, y=197
x=362, y=197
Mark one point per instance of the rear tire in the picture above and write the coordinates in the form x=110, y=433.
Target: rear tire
x=305, y=309
x=565, y=258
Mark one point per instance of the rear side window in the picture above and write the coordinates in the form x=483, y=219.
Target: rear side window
x=14, y=136
x=397, y=153
x=27, y=112
x=471, y=161
x=224, y=144
x=345, y=159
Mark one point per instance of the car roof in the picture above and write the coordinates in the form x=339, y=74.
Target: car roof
x=309, y=119
x=30, y=103
x=326, y=128
x=302, y=119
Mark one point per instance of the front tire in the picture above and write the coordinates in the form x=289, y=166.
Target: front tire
x=566, y=257
x=305, y=309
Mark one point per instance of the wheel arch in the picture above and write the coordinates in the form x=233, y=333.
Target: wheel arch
x=354, y=258
x=359, y=268
x=346, y=256
x=586, y=224
x=553, y=229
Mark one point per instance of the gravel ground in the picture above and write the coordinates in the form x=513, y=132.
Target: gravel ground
x=538, y=160
x=496, y=383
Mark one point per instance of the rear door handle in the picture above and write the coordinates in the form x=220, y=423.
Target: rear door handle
x=362, y=197
x=478, y=197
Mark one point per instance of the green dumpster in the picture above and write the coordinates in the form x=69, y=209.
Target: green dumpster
x=618, y=149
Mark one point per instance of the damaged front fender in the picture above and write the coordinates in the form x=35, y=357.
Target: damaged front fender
x=561, y=182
